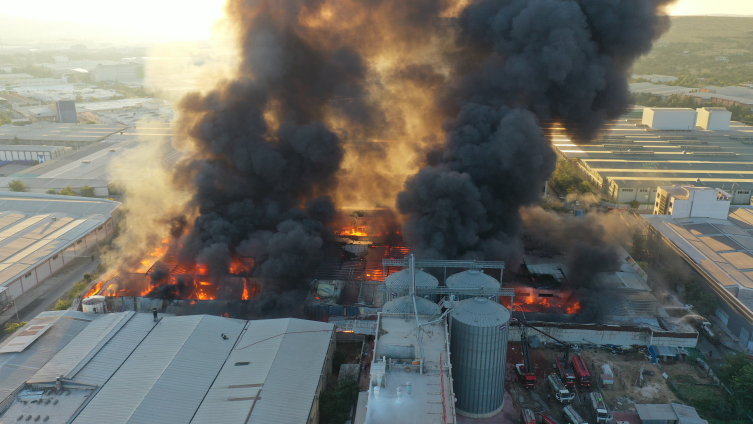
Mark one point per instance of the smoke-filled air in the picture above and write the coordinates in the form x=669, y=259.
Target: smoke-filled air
x=434, y=108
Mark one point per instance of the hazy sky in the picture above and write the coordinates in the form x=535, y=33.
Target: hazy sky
x=192, y=20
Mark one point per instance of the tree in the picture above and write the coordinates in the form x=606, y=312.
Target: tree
x=87, y=191
x=732, y=365
x=742, y=383
x=565, y=177
x=640, y=253
x=62, y=305
x=51, y=191
x=67, y=191
x=335, y=404
x=634, y=204
x=12, y=327
x=17, y=185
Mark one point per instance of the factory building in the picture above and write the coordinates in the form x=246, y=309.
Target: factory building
x=13, y=153
x=630, y=160
x=691, y=202
x=714, y=118
x=40, y=233
x=128, y=368
x=720, y=249
x=660, y=118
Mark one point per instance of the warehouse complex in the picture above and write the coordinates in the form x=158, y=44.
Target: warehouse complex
x=666, y=147
x=720, y=247
x=41, y=233
x=128, y=368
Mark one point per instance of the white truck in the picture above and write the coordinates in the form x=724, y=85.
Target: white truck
x=559, y=390
x=599, y=407
x=572, y=417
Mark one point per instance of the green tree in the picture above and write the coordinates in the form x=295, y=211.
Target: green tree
x=12, y=327
x=67, y=191
x=5, y=119
x=87, y=191
x=565, y=177
x=634, y=204
x=640, y=252
x=62, y=305
x=742, y=383
x=51, y=191
x=732, y=365
x=17, y=185
x=335, y=404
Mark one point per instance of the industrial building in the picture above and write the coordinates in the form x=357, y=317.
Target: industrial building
x=128, y=368
x=12, y=153
x=102, y=167
x=668, y=413
x=41, y=233
x=692, y=202
x=720, y=249
x=56, y=134
x=630, y=159
x=661, y=118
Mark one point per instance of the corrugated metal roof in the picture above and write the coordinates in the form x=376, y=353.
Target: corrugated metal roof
x=655, y=412
x=34, y=227
x=84, y=346
x=174, y=365
x=16, y=368
x=280, y=361
x=404, y=305
x=118, y=348
x=472, y=278
x=480, y=312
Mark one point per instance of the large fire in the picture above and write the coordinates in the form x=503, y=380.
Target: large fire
x=160, y=275
x=533, y=300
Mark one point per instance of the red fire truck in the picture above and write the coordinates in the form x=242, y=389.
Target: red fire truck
x=581, y=371
x=525, y=370
x=566, y=374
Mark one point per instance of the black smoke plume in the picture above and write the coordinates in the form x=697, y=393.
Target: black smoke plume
x=261, y=183
x=527, y=61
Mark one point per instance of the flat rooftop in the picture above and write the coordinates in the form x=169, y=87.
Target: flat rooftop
x=633, y=155
x=431, y=396
x=722, y=248
x=49, y=132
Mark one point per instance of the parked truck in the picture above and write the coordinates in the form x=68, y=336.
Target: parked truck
x=528, y=417
x=704, y=327
x=601, y=413
x=582, y=376
x=559, y=390
x=547, y=418
x=572, y=417
x=566, y=374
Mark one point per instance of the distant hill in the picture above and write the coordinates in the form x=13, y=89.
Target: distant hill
x=705, y=47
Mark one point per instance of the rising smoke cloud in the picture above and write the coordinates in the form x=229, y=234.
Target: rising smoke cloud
x=527, y=62
x=331, y=100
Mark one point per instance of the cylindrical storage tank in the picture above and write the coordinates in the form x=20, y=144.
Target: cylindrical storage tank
x=400, y=281
x=478, y=352
x=472, y=279
x=93, y=305
x=404, y=305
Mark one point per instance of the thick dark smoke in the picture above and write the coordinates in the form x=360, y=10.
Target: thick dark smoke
x=528, y=61
x=585, y=243
x=261, y=186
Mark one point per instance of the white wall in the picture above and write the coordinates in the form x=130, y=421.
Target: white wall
x=608, y=334
x=716, y=119
x=669, y=118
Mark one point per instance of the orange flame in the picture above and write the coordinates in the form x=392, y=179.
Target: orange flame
x=245, y=291
x=357, y=232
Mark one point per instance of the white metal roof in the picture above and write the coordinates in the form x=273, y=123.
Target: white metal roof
x=16, y=368
x=165, y=379
x=271, y=375
x=34, y=227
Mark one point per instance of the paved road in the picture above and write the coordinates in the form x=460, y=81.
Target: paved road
x=44, y=296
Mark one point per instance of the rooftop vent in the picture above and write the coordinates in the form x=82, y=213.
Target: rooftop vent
x=86, y=161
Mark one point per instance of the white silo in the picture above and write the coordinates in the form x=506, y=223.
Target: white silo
x=472, y=279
